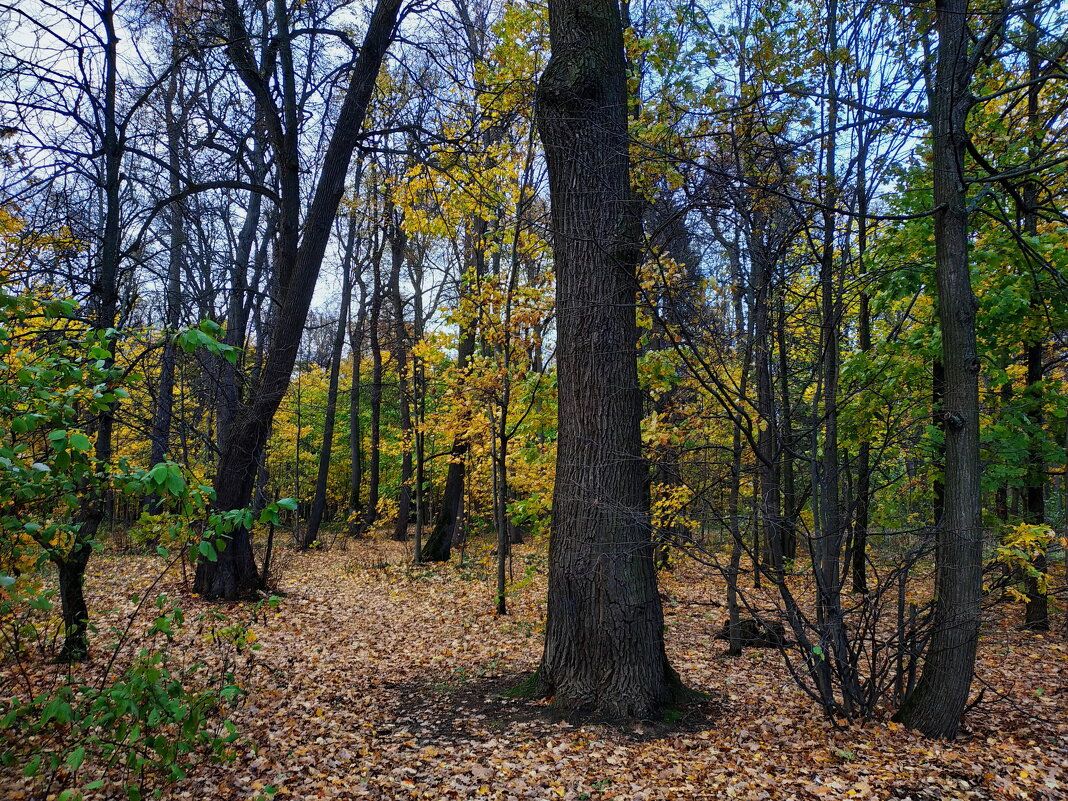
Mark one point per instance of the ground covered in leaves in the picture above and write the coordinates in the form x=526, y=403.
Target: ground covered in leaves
x=379, y=680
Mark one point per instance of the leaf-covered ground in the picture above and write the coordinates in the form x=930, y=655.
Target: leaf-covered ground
x=376, y=680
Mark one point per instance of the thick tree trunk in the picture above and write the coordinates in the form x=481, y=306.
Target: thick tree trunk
x=71, y=571
x=604, y=640
x=234, y=573
x=939, y=700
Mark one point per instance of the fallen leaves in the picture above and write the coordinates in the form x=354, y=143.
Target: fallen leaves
x=385, y=682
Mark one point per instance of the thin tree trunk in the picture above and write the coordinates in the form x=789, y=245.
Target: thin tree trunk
x=767, y=438
x=786, y=465
x=398, y=249
x=449, y=518
x=864, y=492
x=1036, y=612
x=161, y=420
x=832, y=534
x=71, y=565
x=315, y=517
x=374, y=468
x=356, y=335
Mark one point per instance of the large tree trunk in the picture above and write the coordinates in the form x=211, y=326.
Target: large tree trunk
x=604, y=638
x=939, y=700
x=234, y=573
x=71, y=572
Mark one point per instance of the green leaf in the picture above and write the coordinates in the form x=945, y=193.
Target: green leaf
x=175, y=484
x=207, y=550
x=159, y=474
x=80, y=442
x=76, y=758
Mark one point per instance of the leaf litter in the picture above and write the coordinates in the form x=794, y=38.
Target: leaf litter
x=380, y=680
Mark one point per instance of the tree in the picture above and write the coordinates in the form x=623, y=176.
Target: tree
x=604, y=640
x=235, y=573
x=936, y=706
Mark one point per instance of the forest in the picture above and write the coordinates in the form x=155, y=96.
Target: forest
x=533, y=399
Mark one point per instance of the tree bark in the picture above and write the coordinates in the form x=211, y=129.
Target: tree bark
x=604, y=642
x=161, y=419
x=105, y=299
x=938, y=702
x=356, y=335
x=315, y=517
x=374, y=468
x=1036, y=611
x=398, y=248
x=234, y=573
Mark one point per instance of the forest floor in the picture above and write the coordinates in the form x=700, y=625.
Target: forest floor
x=379, y=680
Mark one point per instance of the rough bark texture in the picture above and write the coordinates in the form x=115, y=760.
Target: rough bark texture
x=234, y=573
x=604, y=642
x=936, y=706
